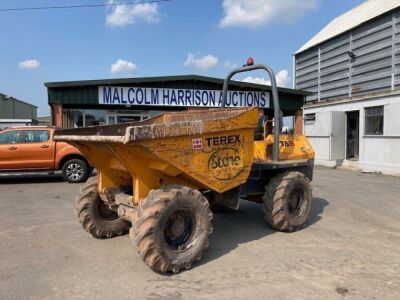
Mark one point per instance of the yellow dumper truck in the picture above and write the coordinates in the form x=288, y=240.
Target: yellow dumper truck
x=161, y=178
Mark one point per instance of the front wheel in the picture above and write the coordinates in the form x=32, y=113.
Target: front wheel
x=171, y=228
x=75, y=171
x=95, y=216
x=287, y=201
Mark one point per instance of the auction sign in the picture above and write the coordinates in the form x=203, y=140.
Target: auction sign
x=111, y=95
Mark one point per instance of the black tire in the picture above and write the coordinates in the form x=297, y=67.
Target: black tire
x=171, y=228
x=75, y=170
x=287, y=201
x=95, y=216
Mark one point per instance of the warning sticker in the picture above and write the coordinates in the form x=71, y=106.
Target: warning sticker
x=197, y=144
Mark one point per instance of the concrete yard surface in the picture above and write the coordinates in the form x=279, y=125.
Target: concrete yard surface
x=350, y=250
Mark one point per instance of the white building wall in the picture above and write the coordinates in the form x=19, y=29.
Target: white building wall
x=376, y=153
x=318, y=134
x=9, y=123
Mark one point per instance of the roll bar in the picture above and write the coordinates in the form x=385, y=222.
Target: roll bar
x=275, y=99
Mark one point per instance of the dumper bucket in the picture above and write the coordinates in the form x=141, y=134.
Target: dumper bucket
x=207, y=149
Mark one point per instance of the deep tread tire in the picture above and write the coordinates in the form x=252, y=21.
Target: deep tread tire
x=84, y=167
x=87, y=206
x=149, y=225
x=276, y=201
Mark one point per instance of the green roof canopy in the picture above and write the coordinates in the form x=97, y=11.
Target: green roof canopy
x=85, y=93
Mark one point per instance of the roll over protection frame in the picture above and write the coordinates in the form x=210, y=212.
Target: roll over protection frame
x=275, y=99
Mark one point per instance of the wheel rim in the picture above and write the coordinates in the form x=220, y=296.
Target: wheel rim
x=74, y=171
x=297, y=202
x=106, y=213
x=179, y=230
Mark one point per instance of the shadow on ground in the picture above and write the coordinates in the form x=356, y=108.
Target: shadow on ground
x=233, y=228
x=29, y=178
x=318, y=207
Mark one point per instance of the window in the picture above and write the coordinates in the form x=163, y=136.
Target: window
x=72, y=118
x=95, y=117
x=10, y=137
x=309, y=119
x=126, y=119
x=36, y=136
x=124, y=116
x=374, y=120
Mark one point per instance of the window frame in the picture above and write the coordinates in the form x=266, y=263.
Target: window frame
x=19, y=137
x=39, y=130
x=369, y=116
x=310, y=121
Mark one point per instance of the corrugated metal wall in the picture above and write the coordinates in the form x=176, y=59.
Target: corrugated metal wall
x=330, y=72
x=14, y=109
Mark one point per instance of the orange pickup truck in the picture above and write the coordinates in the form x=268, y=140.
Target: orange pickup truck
x=32, y=149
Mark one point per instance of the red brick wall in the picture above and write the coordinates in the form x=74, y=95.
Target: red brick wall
x=298, y=122
x=56, y=114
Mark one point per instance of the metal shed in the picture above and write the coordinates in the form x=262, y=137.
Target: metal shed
x=14, y=112
x=356, y=54
x=352, y=69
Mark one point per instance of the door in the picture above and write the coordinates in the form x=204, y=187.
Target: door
x=37, y=150
x=352, y=135
x=338, y=135
x=10, y=150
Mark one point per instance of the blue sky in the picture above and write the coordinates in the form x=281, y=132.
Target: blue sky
x=177, y=37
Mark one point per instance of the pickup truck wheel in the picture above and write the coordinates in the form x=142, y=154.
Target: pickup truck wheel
x=171, y=228
x=95, y=216
x=75, y=171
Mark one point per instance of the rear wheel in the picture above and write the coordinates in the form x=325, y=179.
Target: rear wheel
x=75, y=170
x=171, y=228
x=95, y=216
x=287, y=201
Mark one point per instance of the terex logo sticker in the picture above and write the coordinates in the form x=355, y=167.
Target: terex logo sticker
x=223, y=140
x=197, y=144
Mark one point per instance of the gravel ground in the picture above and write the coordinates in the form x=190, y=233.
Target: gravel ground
x=351, y=249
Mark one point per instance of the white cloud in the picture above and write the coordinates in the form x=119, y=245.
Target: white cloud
x=230, y=65
x=123, y=15
x=123, y=67
x=254, y=13
x=29, y=64
x=282, y=79
x=205, y=62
